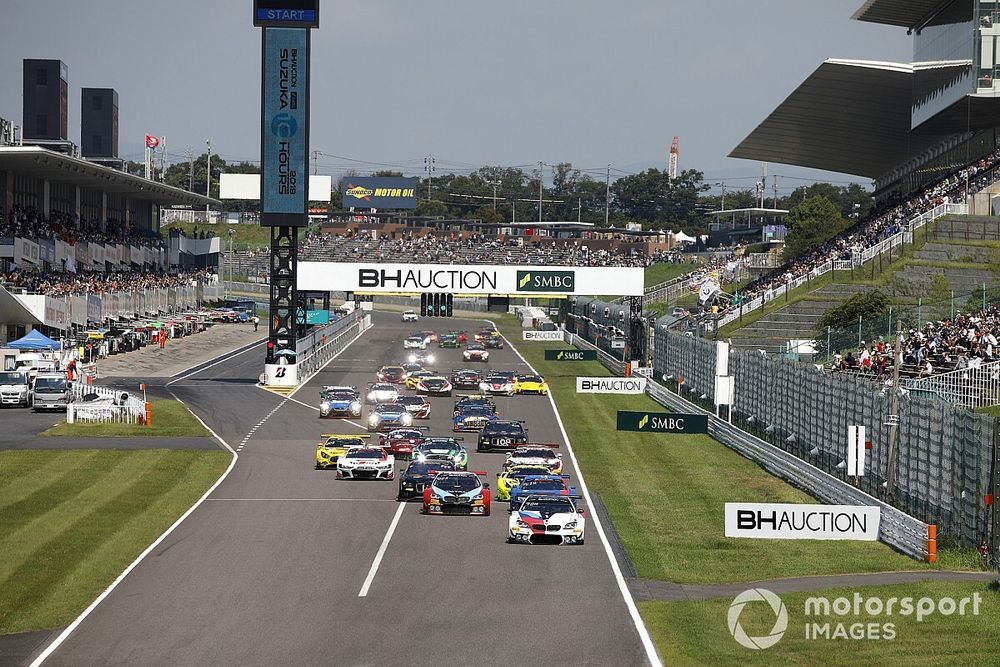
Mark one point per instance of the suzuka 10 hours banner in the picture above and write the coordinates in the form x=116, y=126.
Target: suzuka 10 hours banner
x=284, y=120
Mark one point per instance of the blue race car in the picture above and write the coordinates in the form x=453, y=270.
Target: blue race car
x=389, y=415
x=457, y=492
x=339, y=402
x=472, y=418
x=541, y=485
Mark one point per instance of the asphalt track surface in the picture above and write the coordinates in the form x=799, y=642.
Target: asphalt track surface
x=268, y=570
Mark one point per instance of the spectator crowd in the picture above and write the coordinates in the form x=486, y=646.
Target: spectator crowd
x=76, y=284
x=27, y=222
x=967, y=341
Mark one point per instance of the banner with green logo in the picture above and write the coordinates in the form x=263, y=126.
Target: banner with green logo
x=662, y=422
x=570, y=355
x=546, y=281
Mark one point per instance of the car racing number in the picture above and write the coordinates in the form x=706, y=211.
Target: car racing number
x=503, y=442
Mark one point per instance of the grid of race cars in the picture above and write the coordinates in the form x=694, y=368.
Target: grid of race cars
x=544, y=508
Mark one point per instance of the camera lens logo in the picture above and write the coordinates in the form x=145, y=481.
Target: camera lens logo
x=780, y=622
x=284, y=126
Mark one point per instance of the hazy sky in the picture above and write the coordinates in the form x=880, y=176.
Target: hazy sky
x=469, y=81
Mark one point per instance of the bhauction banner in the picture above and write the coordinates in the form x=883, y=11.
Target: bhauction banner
x=610, y=385
x=470, y=279
x=784, y=521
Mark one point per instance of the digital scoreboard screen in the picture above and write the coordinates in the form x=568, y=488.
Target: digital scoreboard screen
x=286, y=13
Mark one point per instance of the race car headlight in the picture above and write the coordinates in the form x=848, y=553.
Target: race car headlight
x=521, y=524
x=483, y=386
x=371, y=396
x=355, y=407
x=421, y=457
x=430, y=358
x=571, y=524
x=457, y=458
x=412, y=358
x=406, y=420
x=373, y=419
x=324, y=407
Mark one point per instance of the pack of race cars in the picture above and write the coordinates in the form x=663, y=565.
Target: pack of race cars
x=543, y=505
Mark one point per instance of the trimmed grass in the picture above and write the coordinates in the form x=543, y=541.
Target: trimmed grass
x=696, y=633
x=990, y=410
x=248, y=237
x=170, y=420
x=662, y=272
x=74, y=519
x=666, y=494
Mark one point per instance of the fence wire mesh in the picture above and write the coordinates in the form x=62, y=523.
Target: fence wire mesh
x=944, y=452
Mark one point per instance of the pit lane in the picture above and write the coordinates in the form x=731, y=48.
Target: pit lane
x=269, y=568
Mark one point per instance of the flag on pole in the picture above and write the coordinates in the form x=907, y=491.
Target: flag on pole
x=151, y=141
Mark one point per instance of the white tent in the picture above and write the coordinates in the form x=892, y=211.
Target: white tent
x=681, y=237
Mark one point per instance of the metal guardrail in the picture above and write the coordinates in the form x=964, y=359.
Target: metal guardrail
x=897, y=529
x=112, y=405
x=315, y=360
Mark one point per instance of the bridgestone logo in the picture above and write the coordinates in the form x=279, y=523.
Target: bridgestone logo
x=812, y=522
x=610, y=385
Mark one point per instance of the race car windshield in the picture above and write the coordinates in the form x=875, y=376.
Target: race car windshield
x=341, y=443
x=392, y=370
x=389, y=408
x=503, y=428
x=365, y=454
x=543, y=485
x=530, y=378
x=475, y=347
x=425, y=468
x=476, y=411
x=342, y=396
x=460, y=483
x=383, y=387
x=554, y=506
x=415, y=339
x=411, y=400
x=521, y=474
x=434, y=382
x=537, y=453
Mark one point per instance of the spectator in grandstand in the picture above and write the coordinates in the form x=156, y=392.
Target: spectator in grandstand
x=69, y=284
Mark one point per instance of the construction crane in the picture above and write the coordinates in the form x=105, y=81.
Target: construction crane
x=674, y=151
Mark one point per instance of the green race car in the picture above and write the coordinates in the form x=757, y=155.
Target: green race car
x=449, y=340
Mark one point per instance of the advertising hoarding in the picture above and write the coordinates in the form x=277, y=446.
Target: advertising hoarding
x=378, y=192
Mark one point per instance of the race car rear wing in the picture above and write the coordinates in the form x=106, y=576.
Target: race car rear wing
x=345, y=436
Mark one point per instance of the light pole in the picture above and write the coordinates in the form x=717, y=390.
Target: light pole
x=429, y=168
x=208, y=176
x=540, y=176
x=723, y=184
x=607, y=196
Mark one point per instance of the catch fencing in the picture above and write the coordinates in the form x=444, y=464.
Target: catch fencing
x=897, y=528
x=973, y=386
x=944, y=457
x=105, y=405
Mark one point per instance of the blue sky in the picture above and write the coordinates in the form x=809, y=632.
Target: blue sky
x=468, y=81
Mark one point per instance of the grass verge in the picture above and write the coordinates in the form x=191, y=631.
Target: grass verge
x=170, y=420
x=664, y=271
x=74, y=519
x=697, y=633
x=666, y=494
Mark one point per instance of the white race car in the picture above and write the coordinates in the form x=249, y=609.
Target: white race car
x=415, y=343
x=535, y=455
x=498, y=384
x=381, y=392
x=366, y=463
x=408, y=316
x=545, y=519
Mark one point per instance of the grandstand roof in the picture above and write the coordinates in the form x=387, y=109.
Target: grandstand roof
x=835, y=121
x=910, y=14
x=43, y=163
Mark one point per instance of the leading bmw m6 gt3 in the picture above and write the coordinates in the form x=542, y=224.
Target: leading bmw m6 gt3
x=339, y=402
x=366, y=463
x=457, y=493
x=541, y=519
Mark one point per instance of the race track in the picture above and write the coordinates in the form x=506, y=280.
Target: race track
x=269, y=569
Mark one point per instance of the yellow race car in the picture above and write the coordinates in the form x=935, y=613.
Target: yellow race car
x=335, y=445
x=508, y=479
x=414, y=378
x=531, y=384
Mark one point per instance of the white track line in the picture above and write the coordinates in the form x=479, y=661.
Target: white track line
x=322, y=500
x=57, y=642
x=114, y=584
x=381, y=552
x=640, y=626
x=214, y=361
